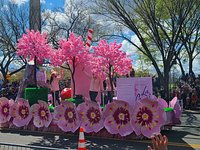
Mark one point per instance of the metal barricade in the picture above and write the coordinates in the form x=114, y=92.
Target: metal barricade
x=12, y=146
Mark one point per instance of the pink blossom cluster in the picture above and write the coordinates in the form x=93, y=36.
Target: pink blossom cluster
x=70, y=51
x=34, y=44
x=112, y=57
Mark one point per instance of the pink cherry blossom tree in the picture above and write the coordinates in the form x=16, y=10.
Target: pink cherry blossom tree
x=34, y=46
x=112, y=59
x=71, y=52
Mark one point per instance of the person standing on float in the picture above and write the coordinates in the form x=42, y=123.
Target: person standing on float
x=54, y=86
x=96, y=85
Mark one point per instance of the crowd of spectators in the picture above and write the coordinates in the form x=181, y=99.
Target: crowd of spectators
x=187, y=89
x=9, y=90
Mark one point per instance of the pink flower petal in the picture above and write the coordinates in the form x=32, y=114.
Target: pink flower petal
x=126, y=130
x=148, y=116
x=149, y=133
x=177, y=110
x=162, y=103
x=67, y=117
x=110, y=125
x=91, y=116
x=20, y=111
x=41, y=114
x=118, y=118
x=5, y=105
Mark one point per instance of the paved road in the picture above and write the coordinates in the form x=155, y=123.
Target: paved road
x=183, y=137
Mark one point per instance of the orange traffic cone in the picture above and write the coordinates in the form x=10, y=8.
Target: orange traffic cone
x=81, y=143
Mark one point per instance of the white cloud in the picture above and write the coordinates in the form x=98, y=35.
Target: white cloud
x=18, y=2
x=129, y=48
x=56, y=16
x=53, y=17
x=42, y=1
x=195, y=66
x=5, y=7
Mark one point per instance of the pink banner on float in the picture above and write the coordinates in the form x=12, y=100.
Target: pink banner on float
x=132, y=89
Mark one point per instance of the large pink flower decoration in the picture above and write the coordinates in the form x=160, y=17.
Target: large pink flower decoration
x=66, y=116
x=91, y=116
x=5, y=105
x=117, y=118
x=20, y=111
x=148, y=116
x=41, y=114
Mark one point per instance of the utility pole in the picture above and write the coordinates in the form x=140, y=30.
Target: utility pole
x=35, y=15
x=29, y=78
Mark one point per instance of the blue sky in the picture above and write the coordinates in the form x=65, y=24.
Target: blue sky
x=47, y=4
x=52, y=4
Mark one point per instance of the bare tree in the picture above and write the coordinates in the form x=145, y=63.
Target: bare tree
x=74, y=18
x=190, y=36
x=13, y=23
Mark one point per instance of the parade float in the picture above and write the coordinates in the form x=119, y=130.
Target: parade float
x=134, y=112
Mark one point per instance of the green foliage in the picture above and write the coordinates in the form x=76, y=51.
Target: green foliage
x=142, y=72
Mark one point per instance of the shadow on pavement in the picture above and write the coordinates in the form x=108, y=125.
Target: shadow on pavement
x=66, y=141
x=192, y=119
x=176, y=142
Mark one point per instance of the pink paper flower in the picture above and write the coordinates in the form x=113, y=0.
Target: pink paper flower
x=163, y=104
x=176, y=106
x=91, y=116
x=66, y=116
x=41, y=114
x=117, y=118
x=20, y=111
x=148, y=117
x=5, y=105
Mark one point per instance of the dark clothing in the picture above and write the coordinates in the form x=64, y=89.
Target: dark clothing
x=93, y=95
x=108, y=97
x=56, y=97
x=183, y=97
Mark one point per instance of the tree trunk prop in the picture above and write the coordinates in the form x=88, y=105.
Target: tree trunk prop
x=28, y=80
x=35, y=72
x=72, y=71
x=111, y=81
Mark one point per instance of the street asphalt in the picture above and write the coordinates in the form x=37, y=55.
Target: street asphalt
x=183, y=137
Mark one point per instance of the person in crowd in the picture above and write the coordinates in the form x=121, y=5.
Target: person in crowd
x=194, y=99
x=1, y=84
x=188, y=101
x=68, y=83
x=54, y=86
x=132, y=73
x=159, y=142
x=110, y=93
